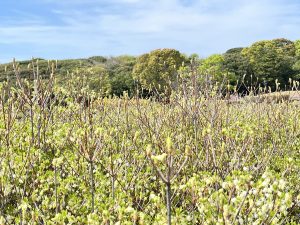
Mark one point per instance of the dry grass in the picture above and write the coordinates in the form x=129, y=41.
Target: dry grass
x=276, y=97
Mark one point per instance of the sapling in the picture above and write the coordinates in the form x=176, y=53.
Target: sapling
x=167, y=159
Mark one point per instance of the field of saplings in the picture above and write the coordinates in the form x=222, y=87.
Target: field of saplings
x=71, y=156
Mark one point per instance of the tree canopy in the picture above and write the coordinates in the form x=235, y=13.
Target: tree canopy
x=296, y=65
x=236, y=62
x=264, y=62
x=157, y=70
x=271, y=60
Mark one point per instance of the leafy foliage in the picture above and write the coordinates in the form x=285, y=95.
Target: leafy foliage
x=68, y=155
x=157, y=70
x=296, y=65
x=271, y=60
x=264, y=64
x=237, y=63
x=120, y=71
x=213, y=65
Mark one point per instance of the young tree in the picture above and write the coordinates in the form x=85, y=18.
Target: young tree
x=96, y=78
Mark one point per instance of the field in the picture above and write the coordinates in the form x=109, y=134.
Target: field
x=68, y=156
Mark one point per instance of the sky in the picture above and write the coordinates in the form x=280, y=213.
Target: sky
x=59, y=29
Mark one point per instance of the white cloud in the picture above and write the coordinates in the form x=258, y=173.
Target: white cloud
x=136, y=26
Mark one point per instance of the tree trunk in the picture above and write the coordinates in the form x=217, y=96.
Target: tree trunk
x=168, y=196
x=92, y=185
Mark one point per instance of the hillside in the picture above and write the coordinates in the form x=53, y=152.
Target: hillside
x=267, y=64
x=113, y=72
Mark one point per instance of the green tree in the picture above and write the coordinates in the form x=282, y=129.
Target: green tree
x=120, y=73
x=235, y=62
x=194, y=56
x=296, y=65
x=97, y=59
x=271, y=60
x=95, y=78
x=214, y=67
x=156, y=71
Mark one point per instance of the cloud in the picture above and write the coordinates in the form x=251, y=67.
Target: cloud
x=88, y=27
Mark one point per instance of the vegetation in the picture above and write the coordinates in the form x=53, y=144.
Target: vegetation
x=296, y=66
x=268, y=64
x=161, y=138
x=73, y=155
x=112, y=75
x=271, y=60
x=157, y=71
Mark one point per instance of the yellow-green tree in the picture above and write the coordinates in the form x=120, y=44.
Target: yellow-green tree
x=214, y=67
x=156, y=71
x=95, y=78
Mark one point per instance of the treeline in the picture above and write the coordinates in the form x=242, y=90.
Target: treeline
x=270, y=64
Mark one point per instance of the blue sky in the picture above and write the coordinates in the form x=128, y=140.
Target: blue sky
x=57, y=29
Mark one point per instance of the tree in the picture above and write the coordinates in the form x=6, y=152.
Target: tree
x=214, y=67
x=271, y=60
x=156, y=71
x=296, y=65
x=235, y=62
x=297, y=48
x=95, y=78
x=97, y=59
x=120, y=73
